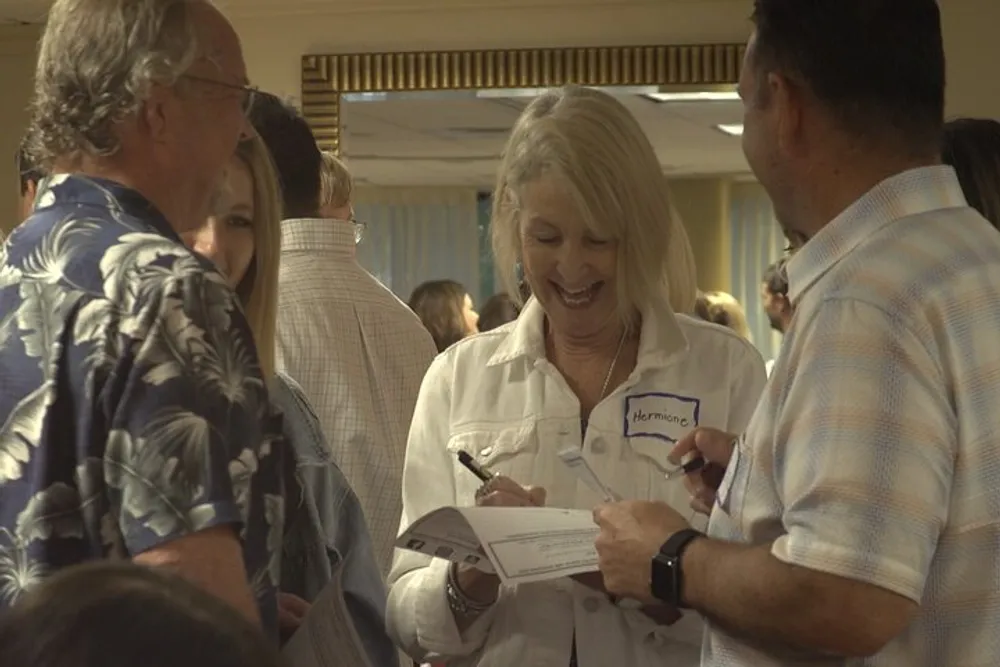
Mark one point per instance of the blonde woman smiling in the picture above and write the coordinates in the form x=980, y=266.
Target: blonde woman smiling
x=325, y=527
x=601, y=360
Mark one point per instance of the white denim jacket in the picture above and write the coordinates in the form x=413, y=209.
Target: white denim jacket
x=495, y=396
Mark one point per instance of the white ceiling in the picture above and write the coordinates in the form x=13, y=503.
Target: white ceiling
x=454, y=139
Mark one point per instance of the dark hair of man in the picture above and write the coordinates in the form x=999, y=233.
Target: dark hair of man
x=972, y=147
x=775, y=279
x=877, y=65
x=106, y=614
x=296, y=156
x=27, y=172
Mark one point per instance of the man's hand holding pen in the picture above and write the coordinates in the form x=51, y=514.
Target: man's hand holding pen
x=714, y=448
x=632, y=532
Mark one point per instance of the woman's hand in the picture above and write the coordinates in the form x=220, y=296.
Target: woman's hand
x=498, y=492
x=716, y=447
x=504, y=492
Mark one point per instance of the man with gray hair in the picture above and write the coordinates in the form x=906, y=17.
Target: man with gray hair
x=134, y=422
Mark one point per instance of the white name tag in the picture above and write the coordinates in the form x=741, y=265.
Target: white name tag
x=668, y=417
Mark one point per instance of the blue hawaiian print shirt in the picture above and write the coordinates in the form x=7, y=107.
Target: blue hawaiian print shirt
x=132, y=407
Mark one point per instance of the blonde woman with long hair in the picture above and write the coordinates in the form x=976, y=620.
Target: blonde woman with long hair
x=722, y=308
x=602, y=360
x=325, y=526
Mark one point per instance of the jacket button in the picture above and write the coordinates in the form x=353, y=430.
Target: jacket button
x=591, y=605
x=598, y=446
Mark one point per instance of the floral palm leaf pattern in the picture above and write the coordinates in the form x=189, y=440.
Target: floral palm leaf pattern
x=132, y=407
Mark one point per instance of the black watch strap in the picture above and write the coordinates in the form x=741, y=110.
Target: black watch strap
x=668, y=579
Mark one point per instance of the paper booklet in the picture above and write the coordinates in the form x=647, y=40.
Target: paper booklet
x=518, y=544
x=327, y=637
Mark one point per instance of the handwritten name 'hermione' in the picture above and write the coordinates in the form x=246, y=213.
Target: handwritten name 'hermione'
x=640, y=417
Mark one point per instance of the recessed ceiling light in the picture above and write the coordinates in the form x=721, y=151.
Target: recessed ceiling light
x=732, y=130
x=696, y=96
x=507, y=93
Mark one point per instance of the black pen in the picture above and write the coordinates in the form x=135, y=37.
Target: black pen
x=479, y=471
x=691, y=466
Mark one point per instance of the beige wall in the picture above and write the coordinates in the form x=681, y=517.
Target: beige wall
x=17, y=63
x=703, y=204
x=275, y=41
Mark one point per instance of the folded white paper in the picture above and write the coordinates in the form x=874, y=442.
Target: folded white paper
x=519, y=544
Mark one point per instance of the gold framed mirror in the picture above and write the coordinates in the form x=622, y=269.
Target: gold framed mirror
x=670, y=68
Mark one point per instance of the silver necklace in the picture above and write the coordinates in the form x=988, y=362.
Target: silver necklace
x=611, y=369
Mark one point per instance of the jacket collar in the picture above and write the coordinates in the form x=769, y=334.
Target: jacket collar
x=660, y=337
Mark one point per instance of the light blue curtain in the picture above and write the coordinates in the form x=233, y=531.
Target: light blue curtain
x=415, y=234
x=487, y=269
x=756, y=242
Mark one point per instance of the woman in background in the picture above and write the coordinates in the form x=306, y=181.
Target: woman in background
x=722, y=308
x=600, y=362
x=498, y=310
x=972, y=147
x=325, y=529
x=446, y=310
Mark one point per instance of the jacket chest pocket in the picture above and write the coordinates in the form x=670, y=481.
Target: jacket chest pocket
x=511, y=452
x=649, y=461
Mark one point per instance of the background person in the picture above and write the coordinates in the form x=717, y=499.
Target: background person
x=325, y=535
x=29, y=176
x=355, y=349
x=723, y=309
x=497, y=311
x=972, y=148
x=446, y=311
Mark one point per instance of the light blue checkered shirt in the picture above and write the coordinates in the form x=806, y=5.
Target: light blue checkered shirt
x=874, y=453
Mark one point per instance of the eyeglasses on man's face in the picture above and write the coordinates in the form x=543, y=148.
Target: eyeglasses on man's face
x=249, y=92
x=359, y=228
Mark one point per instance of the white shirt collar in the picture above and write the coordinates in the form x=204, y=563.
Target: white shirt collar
x=660, y=336
x=318, y=234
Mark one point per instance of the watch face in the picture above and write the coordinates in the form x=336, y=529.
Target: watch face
x=664, y=578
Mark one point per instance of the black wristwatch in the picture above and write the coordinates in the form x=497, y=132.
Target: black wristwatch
x=668, y=580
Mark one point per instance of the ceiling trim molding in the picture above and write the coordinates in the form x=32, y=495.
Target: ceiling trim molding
x=326, y=77
x=269, y=8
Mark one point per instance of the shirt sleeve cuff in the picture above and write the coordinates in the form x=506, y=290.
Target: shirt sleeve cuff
x=437, y=631
x=196, y=519
x=869, y=568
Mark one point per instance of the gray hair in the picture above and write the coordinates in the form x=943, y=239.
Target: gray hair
x=97, y=62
